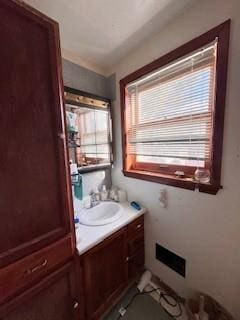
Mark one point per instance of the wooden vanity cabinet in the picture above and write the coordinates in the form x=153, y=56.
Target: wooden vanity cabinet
x=135, y=247
x=111, y=266
x=104, y=273
x=35, y=201
x=53, y=298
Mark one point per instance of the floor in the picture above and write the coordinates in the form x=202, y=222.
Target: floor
x=141, y=307
x=172, y=310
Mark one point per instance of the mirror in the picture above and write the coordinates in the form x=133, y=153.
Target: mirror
x=89, y=128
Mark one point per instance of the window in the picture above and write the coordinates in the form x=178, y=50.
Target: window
x=172, y=114
x=93, y=136
x=89, y=130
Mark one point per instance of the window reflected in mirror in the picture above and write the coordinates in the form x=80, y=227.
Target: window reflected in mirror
x=89, y=131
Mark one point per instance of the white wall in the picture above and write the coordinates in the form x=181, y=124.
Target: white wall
x=205, y=229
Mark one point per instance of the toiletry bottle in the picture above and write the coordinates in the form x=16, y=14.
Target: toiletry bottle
x=112, y=193
x=104, y=193
x=97, y=194
x=122, y=195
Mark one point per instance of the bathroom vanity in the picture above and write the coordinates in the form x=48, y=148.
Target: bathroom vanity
x=110, y=258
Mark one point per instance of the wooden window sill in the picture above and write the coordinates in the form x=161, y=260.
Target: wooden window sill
x=185, y=183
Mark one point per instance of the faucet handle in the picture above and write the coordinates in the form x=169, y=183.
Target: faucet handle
x=94, y=198
x=92, y=194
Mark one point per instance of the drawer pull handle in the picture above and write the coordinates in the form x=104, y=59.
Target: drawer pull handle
x=138, y=226
x=36, y=268
x=127, y=259
x=75, y=306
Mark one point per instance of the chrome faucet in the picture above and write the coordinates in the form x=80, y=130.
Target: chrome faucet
x=93, y=199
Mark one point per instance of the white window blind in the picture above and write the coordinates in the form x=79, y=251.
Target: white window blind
x=170, y=112
x=94, y=136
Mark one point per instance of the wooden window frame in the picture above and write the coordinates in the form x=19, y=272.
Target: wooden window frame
x=149, y=172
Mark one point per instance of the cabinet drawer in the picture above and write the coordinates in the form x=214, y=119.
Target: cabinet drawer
x=136, y=264
x=135, y=227
x=23, y=273
x=136, y=243
x=55, y=297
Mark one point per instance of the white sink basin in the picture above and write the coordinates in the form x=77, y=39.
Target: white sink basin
x=101, y=214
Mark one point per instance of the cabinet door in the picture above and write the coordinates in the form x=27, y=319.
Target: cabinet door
x=105, y=273
x=136, y=263
x=54, y=298
x=35, y=193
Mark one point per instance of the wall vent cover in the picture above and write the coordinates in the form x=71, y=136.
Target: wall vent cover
x=171, y=260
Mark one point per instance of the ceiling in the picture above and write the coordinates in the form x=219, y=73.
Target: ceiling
x=99, y=33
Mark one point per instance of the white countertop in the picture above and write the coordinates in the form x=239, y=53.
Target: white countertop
x=89, y=236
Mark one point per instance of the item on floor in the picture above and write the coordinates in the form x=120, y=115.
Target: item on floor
x=135, y=205
x=202, y=307
x=144, y=281
x=137, y=306
x=166, y=301
x=200, y=314
x=144, y=307
x=122, y=195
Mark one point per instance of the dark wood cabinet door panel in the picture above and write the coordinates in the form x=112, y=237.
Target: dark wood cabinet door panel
x=136, y=264
x=136, y=227
x=136, y=243
x=35, y=191
x=23, y=273
x=105, y=272
x=54, y=298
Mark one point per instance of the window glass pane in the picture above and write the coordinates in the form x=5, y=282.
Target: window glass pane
x=186, y=95
x=93, y=136
x=169, y=112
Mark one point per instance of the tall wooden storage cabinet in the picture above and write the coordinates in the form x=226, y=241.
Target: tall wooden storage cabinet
x=36, y=225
